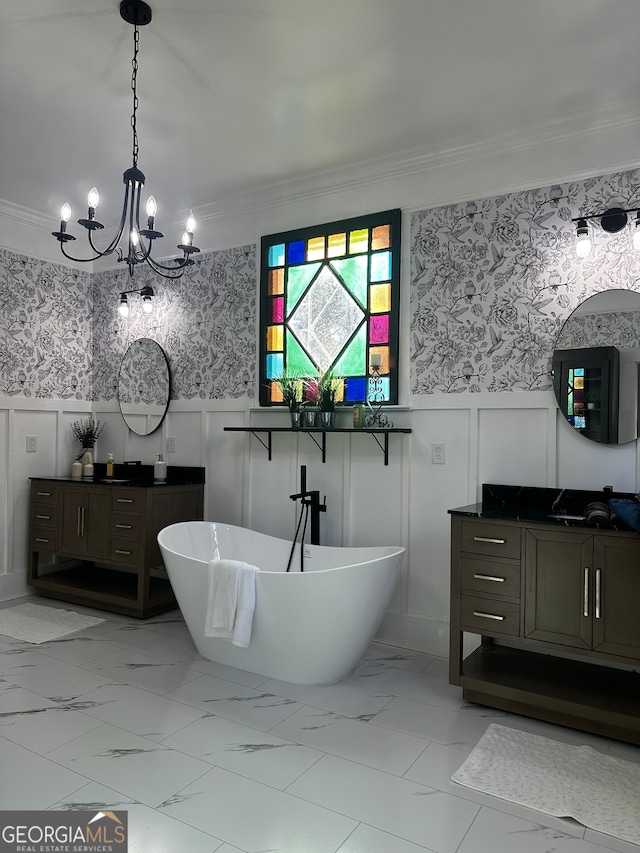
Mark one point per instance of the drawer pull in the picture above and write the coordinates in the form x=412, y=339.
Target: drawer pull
x=598, y=573
x=124, y=526
x=488, y=615
x=488, y=539
x=126, y=553
x=44, y=494
x=124, y=500
x=585, y=592
x=489, y=578
x=44, y=517
x=38, y=539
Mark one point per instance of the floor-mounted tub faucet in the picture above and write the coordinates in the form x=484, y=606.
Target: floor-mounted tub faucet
x=311, y=499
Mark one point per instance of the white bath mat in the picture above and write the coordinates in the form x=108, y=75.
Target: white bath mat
x=36, y=624
x=599, y=791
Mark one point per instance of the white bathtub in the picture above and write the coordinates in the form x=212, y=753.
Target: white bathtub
x=308, y=628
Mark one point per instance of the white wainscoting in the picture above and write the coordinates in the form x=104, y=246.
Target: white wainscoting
x=514, y=438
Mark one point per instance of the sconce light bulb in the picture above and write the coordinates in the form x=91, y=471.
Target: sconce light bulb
x=123, y=308
x=583, y=243
x=191, y=223
x=147, y=305
x=65, y=212
x=93, y=198
x=152, y=207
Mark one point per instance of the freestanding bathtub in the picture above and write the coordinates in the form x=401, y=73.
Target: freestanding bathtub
x=309, y=627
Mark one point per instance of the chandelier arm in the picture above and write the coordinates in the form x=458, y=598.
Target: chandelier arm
x=80, y=260
x=165, y=271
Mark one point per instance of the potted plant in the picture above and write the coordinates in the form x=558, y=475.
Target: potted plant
x=291, y=388
x=86, y=431
x=328, y=387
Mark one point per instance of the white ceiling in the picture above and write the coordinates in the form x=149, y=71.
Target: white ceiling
x=238, y=96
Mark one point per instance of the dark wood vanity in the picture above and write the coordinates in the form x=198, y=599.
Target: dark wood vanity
x=94, y=542
x=556, y=605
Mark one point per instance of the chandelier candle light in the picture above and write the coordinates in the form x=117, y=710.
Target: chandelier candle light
x=139, y=240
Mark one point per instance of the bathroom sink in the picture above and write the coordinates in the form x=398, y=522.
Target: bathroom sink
x=564, y=517
x=114, y=481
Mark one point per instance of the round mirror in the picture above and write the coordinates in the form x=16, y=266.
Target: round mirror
x=144, y=386
x=596, y=367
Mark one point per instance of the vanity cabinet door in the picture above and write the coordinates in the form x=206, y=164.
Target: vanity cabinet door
x=558, y=581
x=616, y=596
x=84, y=521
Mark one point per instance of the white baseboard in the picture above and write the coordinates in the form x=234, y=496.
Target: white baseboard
x=14, y=585
x=430, y=636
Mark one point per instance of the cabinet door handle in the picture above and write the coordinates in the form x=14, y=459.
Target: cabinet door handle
x=38, y=539
x=598, y=573
x=44, y=517
x=44, y=494
x=488, y=539
x=127, y=553
x=78, y=524
x=488, y=615
x=124, y=500
x=124, y=526
x=82, y=516
x=489, y=578
x=585, y=592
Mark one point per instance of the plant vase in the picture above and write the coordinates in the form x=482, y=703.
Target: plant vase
x=295, y=419
x=327, y=420
x=309, y=418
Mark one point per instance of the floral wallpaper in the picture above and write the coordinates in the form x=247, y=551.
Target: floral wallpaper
x=493, y=281
x=46, y=315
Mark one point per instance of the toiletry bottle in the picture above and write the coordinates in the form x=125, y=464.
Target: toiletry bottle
x=358, y=416
x=76, y=470
x=87, y=471
x=110, y=465
x=160, y=469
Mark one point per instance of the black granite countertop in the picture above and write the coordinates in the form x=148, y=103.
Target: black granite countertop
x=563, y=507
x=135, y=476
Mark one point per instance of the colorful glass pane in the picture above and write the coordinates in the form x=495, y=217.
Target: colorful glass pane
x=379, y=329
x=276, y=282
x=277, y=309
x=275, y=392
x=353, y=360
x=380, y=295
x=353, y=271
x=337, y=245
x=381, y=266
x=381, y=237
x=380, y=389
x=274, y=365
x=295, y=252
x=276, y=255
x=275, y=337
x=298, y=362
x=356, y=390
x=383, y=352
x=359, y=241
x=315, y=249
x=298, y=280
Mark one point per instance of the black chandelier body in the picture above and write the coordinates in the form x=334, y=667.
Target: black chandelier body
x=140, y=240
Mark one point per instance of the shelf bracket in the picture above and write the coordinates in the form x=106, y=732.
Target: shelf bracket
x=383, y=447
x=267, y=444
x=322, y=447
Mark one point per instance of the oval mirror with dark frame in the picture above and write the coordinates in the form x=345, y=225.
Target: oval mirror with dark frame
x=144, y=386
x=596, y=367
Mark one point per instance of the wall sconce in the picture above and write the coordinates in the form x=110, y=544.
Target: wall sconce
x=147, y=304
x=612, y=220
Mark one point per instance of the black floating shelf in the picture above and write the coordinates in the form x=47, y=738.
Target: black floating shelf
x=378, y=433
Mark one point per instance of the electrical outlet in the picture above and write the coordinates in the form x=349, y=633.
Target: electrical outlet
x=171, y=445
x=438, y=454
x=32, y=443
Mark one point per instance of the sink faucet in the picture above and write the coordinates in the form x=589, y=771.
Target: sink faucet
x=311, y=499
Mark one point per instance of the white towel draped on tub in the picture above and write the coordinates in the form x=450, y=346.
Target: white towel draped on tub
x=231, y=602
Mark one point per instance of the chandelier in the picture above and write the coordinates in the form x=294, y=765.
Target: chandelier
x=139, y=241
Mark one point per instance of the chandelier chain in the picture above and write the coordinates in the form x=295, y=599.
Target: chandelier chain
x=134, y=89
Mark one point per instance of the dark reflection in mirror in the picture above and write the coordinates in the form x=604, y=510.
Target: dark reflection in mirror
x=144, y=386
x=596, y=367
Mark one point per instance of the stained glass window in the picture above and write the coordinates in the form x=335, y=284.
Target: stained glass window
x=329, y=301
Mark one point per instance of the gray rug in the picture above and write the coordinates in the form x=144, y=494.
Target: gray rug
x=36, y=624
x=599, y=791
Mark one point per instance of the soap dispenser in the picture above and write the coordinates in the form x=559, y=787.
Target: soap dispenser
x=160, y=469
x=110, y=466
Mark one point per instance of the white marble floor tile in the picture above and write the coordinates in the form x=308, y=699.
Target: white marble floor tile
x=38, y=723
x=235, y=702
x=341, y=698
x=48, y=677
x=77, y=649
x=145, y=639
x=149, y=831
x=256, y=817
x=397, y=657
x=438, y=668
x=366, y=839
x=414, y=812
x=139, y=711
x=29, y=781
x=192, y=660
x=410, y=685
x=140, y=670
x=135, y=766
x=257, y=755
x=393, y=752
x=428, y=721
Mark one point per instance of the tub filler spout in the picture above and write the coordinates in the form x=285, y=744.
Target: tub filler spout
x=311, y=500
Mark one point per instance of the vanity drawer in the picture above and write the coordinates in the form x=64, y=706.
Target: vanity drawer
x=124, y=551
x=45, y=515
x=495, y=540
x=491, y=577
x=43, y=539
x=127, y=500
x=44, y=493
x=489, y=616
x=125, y=526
